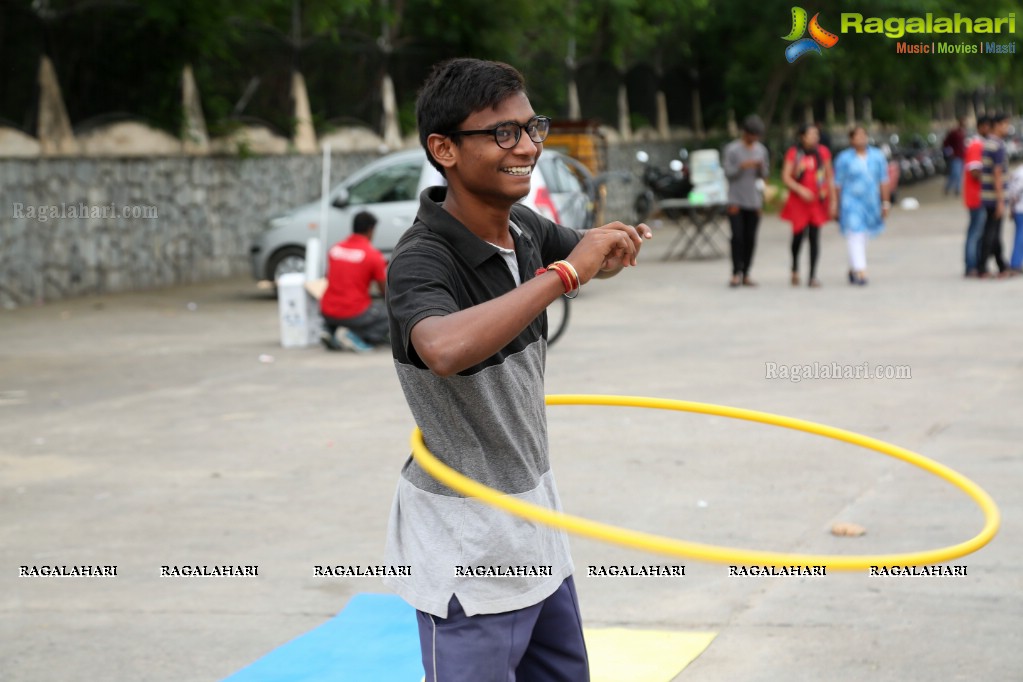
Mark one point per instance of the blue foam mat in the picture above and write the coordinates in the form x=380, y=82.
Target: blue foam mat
x=375, y=637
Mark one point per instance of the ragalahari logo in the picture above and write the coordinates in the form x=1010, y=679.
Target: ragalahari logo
x=818, y=36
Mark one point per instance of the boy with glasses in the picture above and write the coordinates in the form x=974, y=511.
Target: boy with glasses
x=467, y=288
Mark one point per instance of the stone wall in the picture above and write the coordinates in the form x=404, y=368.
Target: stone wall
x=75, y=226
x=147, y=222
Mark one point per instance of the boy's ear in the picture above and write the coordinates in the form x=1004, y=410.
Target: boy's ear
x=442, y=149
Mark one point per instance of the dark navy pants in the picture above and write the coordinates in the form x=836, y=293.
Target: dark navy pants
x=540, y=643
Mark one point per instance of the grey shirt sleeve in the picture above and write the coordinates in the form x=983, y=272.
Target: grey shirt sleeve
x=731, y=161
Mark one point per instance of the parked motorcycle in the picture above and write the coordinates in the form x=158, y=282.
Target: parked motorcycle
x=660, y=184
x=918, y=160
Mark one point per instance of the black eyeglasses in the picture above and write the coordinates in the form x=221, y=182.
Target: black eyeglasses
x=508, y=134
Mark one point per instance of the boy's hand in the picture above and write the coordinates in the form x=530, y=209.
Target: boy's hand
x=609, y=247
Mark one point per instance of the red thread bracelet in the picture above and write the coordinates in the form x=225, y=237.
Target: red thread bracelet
x=569, y=278
x=569, y=269
x=565, y=280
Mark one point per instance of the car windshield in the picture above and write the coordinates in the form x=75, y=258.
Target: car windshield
x=558, y=176
x=394, y=183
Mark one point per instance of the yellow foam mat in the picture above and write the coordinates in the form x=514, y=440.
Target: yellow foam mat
x=619, y=654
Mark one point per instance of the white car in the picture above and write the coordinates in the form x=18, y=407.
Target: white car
x=389, y=188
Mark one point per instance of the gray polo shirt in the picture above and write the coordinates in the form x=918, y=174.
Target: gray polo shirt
x=742, y=182
x=488, y=422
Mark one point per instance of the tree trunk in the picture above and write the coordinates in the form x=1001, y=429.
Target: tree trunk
x=392, y=132
x=195, y=138
x=624, y=124
x=304, y=135
x=697, y=112
x=53, y=125
x=788, y=107
x=574, y=110
x=663, y=129
x=769, y=101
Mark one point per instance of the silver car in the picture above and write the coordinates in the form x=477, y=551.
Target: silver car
x=389, y=189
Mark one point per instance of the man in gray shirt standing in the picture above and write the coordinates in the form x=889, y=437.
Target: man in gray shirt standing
x=746, y=165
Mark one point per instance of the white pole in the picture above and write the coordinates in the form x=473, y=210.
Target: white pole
x=324, y=208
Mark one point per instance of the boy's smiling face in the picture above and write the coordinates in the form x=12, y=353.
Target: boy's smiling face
x=482, y=167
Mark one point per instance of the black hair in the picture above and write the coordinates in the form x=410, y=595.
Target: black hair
x=802, y=130
x=983, y=120
x=998, y=118
x=852, y=130
x=815, y=152
x=363, y=222
x=753, y=125
x=458, y=88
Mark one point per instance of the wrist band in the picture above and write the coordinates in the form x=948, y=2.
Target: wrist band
x=569, y=276
x=563, y=276
x=565, y=279
x=575, y=275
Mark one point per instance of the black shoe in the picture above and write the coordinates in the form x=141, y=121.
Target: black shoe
x=330, y=341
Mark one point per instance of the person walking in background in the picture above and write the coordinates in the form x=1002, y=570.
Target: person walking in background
x=807, y=174
x=992, y=193
x=861, y=183
x=745, y=164
x=353, y=265
x=1015, y=202
x=954, y=149
x=972, y=165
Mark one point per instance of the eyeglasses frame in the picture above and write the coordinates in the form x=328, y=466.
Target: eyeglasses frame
x=519, y=127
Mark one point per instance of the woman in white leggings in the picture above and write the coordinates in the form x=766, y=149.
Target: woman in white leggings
x=861, y=179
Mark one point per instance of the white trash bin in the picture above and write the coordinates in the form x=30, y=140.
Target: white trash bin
x=299, y=312
x=708, y=177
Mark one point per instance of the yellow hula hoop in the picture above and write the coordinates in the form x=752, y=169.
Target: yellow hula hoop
x=659, y=544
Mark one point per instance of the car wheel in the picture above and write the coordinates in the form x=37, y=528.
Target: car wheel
x=284, y=261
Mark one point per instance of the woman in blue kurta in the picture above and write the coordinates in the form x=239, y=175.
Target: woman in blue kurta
x=861, y=178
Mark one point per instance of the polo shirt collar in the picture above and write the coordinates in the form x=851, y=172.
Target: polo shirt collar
x=473, y=249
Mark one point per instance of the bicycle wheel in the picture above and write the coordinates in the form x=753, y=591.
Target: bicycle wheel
x=557, y=319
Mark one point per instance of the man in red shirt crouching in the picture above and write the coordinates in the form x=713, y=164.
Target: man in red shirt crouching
x=352, y=266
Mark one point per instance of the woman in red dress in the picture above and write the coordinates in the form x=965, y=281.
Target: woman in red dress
x=808, y=175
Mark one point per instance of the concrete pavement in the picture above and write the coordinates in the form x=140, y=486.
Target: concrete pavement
x=169, y=428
